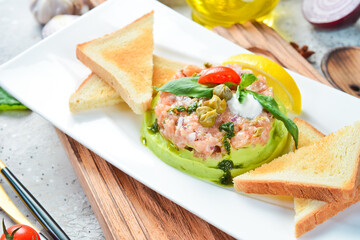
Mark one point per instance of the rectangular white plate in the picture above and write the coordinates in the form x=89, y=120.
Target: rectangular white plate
x=45, y=76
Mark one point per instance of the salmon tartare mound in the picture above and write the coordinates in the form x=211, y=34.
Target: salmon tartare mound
x=216, y=123
x=184, y=130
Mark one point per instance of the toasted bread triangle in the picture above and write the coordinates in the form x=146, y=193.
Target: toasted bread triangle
x=309, y=212
x=96, y=93
x=124, y=59
x=326, y=170
x=93, y=93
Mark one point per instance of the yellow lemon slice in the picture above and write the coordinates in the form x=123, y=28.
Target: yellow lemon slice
x=284, y=86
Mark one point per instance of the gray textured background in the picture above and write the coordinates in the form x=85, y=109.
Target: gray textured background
x=32, y=150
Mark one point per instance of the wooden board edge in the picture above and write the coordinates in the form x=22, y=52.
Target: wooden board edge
x=81, y=176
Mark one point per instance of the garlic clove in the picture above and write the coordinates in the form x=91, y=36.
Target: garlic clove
x=56, y=23
x=44, y=10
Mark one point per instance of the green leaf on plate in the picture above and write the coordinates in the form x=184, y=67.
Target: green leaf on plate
x=7, y=102
x=271, y=106
x=246, y=80
x=187, y=86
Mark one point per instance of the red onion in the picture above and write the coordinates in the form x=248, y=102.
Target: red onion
x=331, y=13
x=234, y=119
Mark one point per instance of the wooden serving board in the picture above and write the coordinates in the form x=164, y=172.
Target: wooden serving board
x=125, y=208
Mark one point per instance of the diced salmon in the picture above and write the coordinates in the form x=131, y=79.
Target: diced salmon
x=185, y=131
x=188, y=71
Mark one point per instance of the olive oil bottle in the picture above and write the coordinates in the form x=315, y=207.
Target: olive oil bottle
x=211, y=13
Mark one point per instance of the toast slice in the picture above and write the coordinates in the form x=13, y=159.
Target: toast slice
x=309, y=212
x=164, y=70
x=326, y=170
x=96, y=93
x=124, y=59
x=307, y=134
x=93, y=93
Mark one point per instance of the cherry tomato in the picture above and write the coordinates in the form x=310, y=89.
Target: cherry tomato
x=219, y=74
x=24, y=233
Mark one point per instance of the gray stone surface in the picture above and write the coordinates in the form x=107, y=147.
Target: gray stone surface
x=32, y=150
x=292, y=26
x=30, y=147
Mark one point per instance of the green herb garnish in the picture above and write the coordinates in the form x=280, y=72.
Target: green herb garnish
x=226, y=179
x=246, y=80
x=227, y=145
x=154, y=128
x=228, y=128
x=180, y=108
x=7, y=102
x=187, y=86
x=225, y=165
x=192, y=107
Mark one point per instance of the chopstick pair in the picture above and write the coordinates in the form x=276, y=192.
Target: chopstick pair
x=35, y=207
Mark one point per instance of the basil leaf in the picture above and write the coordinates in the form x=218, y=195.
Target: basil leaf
x=230, y=84
x=271, y=105
x=7, y=102
x=247, y=79
x=240, y=95
x=187, y=86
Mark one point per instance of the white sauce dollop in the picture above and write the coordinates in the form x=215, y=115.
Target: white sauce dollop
x=250, y=108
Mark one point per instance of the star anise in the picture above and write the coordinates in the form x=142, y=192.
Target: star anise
x=304, y=51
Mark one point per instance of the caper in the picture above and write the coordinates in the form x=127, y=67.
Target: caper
x=216, y=103
x=213, y=102
x=258, y=131
x=223, y=92
x=222, y=107
x=208, y=119
x=203, y=110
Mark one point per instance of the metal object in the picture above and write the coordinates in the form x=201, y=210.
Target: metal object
x=35, y=207
x=13, y=212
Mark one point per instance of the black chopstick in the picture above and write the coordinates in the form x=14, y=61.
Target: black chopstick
x=35, y=207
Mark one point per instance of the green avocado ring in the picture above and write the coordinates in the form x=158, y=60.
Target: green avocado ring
x=243, y=159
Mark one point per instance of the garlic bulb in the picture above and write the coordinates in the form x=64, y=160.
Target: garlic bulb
x=56, y=23
x=44, y=10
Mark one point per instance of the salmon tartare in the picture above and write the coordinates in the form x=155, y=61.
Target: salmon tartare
x=216, y=122
x=184, y=130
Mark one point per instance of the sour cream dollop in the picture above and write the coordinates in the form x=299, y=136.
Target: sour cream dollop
x=250, y=108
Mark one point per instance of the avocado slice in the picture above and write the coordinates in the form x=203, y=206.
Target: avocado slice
x=243, y=159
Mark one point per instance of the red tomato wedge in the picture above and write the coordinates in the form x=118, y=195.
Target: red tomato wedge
x=219, y=74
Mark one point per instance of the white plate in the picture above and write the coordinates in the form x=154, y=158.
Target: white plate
x=45, y=76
